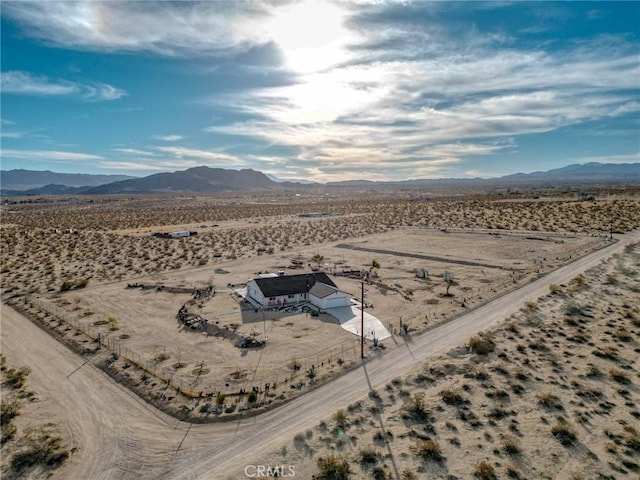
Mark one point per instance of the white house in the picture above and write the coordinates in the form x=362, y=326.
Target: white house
x=316, y=288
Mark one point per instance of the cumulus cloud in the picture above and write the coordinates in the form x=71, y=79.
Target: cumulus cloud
x=25, y=83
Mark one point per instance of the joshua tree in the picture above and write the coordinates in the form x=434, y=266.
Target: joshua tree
x=448, y=277
x=311, y=374
x=318, y=259
x=375, y=265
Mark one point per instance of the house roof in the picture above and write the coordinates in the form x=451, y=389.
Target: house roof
x=322, y=290
x=292, y=284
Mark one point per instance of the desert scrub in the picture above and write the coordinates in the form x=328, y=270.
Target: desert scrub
x=333, y=468
x=452, y=397
x=39, y=447
x=619, y=376
x=563, y=432
x=481, y=344
x=415, y=407
x=484, y=471
x=510, y=445
x=340, y=417
x=551, y=401
x=428, y=450
x=16, y=378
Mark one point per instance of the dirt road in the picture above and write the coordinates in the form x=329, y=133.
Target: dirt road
x=118, y=436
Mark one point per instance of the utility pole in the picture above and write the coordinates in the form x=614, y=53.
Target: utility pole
x=362, y=324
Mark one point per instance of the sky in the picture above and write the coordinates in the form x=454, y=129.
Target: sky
x=319, y=90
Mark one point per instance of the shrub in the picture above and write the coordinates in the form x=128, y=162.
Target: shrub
x=9, y=409
x=408, y=474
x=563, y=432
x=220, y=398
x=619, y=376
x=252, y=397
x=8, y=431
x=510, y=446
x=415, y=406
x=340, y=417
x=16, y=378
x=484, y=471
x=555, y=289
x=481, y=344
x=333, y=468
x=368, y=457
x=42, y=448
x=451, y=397
x=549, y=400
x=428, y=450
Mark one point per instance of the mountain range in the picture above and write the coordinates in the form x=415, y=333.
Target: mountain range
x=206, y=180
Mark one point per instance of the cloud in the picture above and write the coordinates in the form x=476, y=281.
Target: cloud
x=134, y=151
x=53, y=155
x=167, y=28
x=423, y=99
x=12, y=134
x=168, y=138
x=25, y=83
x=629, y=158
x=201, y=155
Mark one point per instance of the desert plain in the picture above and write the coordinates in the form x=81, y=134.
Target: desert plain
x=77, y=267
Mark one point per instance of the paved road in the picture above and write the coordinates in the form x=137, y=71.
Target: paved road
x=121, y=437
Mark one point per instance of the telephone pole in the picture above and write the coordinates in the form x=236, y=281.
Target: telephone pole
x=362, y=323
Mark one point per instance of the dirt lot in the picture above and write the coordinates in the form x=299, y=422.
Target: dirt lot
x=141, y=325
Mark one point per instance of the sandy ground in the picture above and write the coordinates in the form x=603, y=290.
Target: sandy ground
x=145, y=331
x=567, y=362
x=119, y=436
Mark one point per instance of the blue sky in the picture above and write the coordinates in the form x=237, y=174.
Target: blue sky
x=319, y=90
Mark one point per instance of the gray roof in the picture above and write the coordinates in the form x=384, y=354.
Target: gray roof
x=322, y=290
x=292, y=284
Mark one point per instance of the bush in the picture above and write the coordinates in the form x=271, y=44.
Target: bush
x=564, y=433
x=368, y=457
x=16, y=378
x=619, y=376
x=415, y=407
x=340, y=417
x=252, y=397
x=481, y=344
x=333, y=468
x=451, y=397
x=9, y=409
x=549, y=400
x=510, y=446
x=484, y=471
x=41, y=449
x=8, y=431
x=428, y=450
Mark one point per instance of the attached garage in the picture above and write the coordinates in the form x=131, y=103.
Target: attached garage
x=325, y=296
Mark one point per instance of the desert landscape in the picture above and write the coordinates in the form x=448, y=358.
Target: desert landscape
x=112, y=293
x=553, y=392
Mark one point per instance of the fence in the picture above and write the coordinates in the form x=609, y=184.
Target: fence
x=324, y=363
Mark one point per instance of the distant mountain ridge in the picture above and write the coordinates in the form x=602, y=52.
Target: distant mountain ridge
x=21, y=179
x=196, y=179
x=209, y=180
